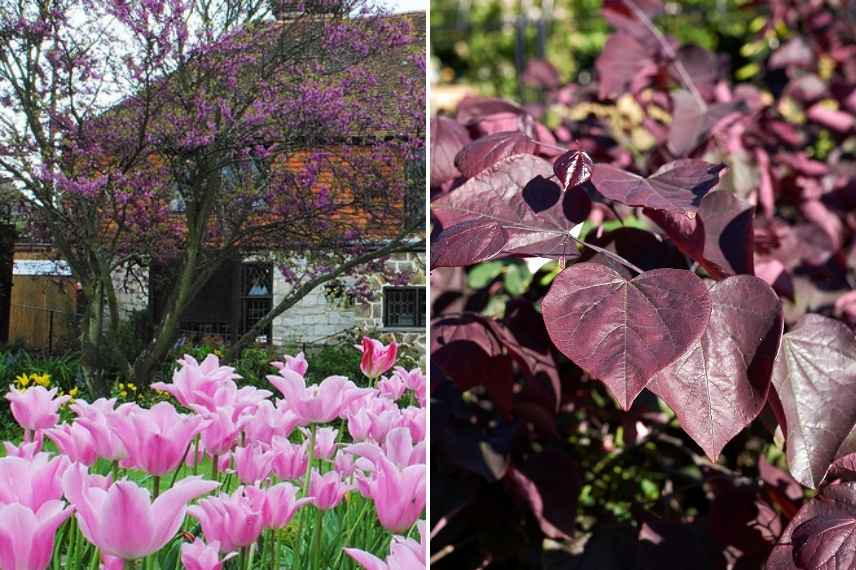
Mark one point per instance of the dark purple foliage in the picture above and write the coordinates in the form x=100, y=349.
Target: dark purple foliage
x=516, y=195
x=677, y=186
x=662, y=392
x=624, y=331
x=720, y=384
x=448, y=137
x=815, y=380
x=719, y=235
x=573, y=168
x=484, y=152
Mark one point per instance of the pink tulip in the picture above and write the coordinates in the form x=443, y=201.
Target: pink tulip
x=279, y=503
x=415, y=419
x=123, y=521
x=32, y=482
x=253, y=463
x=229, y=395
x=235, y=520
x=326, y=490
x=325, y=442
x=377, y=358
x=195, y=383
x=27, y=450
x=111, y=563
x=398, y=494
x=359, y=425
x=344, y=463
x=74, y=441
x=383, y=422
x=155, y=439
x=245, y=399
x=320, y=403
x=392, y=387
x=222, y=432
x=268, y=421
x=297, y=363
x=27, y=537
x=99, y=408
x=374, y=420
x=94, y=417
x=36, y=408
x=404, y=554
x=415, y=381
x=197, y=555
x=398, y=447
x=366, y=399
x=290, y=459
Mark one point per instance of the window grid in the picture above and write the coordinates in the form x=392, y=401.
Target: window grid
x=403, y=307
x=256, y=295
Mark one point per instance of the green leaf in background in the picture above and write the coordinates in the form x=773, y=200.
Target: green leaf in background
x=517, y=279
x=549, y=270
x=482, y=274
x=649, y=489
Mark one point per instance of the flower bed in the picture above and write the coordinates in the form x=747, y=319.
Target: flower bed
x=326, y=475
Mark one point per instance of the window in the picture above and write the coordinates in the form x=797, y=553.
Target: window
x=250, y=174
x=404, y=307
x=177, y=204
x=256, y=295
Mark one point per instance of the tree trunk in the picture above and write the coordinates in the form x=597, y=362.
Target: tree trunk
x=90, y=358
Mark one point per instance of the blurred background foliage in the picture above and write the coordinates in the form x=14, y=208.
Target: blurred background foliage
x=484, y=46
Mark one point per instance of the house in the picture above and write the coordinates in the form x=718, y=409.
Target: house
x=244, y=288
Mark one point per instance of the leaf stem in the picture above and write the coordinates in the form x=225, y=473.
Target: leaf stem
x=306, y=477
x=607, y=253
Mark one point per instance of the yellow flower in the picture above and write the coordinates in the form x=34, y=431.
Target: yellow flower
x=23, y=380
x=132, y=387
x=42, y=379
x=123, y=394
x=74, y=392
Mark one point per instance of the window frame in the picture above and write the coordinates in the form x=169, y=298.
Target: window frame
x=420, y=317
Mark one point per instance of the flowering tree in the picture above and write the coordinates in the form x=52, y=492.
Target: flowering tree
x=193, y=132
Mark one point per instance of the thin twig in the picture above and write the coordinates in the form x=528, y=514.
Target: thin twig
x=607, y=253
x=670, y=53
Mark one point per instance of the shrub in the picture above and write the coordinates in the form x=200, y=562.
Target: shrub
x=671, y=381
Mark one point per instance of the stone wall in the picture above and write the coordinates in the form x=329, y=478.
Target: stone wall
x=132, y=291
x=316, y=319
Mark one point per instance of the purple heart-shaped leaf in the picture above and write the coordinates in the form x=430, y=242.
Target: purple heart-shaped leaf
x=721, y=383
x=815, y=380
x=626, y=63
x=485, y=152
x=447, y=139
x=517, y=196
x=822, y=535
x=720, y=235
x=625, y=331
x=676, y=186
x=692, y=120
x=573, y=168
x=467, y=243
